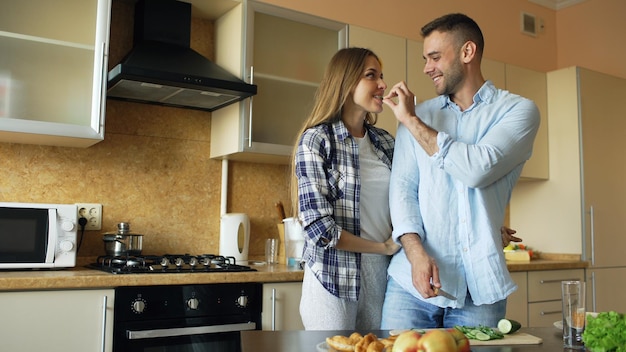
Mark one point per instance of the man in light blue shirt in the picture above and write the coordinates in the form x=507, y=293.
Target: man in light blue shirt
x=456, y=161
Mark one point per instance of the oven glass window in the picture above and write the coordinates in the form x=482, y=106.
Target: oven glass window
x=23, y=235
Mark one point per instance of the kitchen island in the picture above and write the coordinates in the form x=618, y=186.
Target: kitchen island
x=308, y=341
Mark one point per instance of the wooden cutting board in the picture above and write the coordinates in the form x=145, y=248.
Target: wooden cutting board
x=518, y=338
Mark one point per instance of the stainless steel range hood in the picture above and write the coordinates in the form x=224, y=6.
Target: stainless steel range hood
x=163, y=69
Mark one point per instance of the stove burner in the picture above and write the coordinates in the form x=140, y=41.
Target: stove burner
x=168, y=263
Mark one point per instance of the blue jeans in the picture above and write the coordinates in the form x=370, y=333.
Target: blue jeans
x=402, y=310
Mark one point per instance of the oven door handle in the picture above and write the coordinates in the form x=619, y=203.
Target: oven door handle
x=195, y=330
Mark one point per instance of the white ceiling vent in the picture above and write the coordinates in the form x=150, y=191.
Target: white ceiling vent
x=529, y=24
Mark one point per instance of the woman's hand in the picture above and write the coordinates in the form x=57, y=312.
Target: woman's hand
x=391, y=247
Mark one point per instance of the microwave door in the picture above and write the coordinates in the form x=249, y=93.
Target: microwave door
x=52, y=235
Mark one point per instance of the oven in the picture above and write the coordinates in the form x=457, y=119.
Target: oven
x=181, y=318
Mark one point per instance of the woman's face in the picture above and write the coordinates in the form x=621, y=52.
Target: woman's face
x=368, y=93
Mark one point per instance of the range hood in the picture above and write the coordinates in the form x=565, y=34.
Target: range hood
x=163, y=69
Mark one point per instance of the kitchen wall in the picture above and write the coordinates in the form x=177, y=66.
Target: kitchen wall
x=153, y=168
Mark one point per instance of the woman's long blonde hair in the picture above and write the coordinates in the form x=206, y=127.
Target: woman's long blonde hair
x=343, y=73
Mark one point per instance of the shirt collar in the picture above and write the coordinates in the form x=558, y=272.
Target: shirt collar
x=485, y=94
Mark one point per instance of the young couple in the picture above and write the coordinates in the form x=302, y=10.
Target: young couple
x=455, y=159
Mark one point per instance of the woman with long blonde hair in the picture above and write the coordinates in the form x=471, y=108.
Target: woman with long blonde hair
x=340, y=190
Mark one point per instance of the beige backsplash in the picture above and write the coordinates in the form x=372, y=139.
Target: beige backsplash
x=152, y=170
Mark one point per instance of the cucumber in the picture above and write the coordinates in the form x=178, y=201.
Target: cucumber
x=508, y=326
x=482, y=336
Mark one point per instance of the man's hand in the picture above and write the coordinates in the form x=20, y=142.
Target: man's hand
x=424, y=270
x=404, y=109
x=507, y=236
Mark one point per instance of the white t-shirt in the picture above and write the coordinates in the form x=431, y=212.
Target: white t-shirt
x=374, y=204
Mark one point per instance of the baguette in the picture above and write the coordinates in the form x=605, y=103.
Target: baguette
x=340, y=343
x=362, y=345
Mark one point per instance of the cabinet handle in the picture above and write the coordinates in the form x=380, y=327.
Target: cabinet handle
x=104, y=322
x=250, y=114
x=593, y=236
x=98, y=126
x=273, y=309
x=558, y=280
x=550, y=312
x=593, y=291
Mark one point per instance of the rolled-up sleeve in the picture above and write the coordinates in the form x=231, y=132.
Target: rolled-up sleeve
x=403, y=189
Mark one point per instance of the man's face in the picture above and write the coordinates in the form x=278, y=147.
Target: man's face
x=443, y=64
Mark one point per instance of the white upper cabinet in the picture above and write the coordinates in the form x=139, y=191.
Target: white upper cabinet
x=53, y=57
x=285, y=54
x=533, y=85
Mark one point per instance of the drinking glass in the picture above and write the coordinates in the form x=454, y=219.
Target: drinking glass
x=573, y=298
x=271, y=251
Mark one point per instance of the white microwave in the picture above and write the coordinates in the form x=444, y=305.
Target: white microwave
x=37, y=236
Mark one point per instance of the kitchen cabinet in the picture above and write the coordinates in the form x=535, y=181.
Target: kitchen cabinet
x=579, y=209
x=537, y=301
x=602, y=132
x=64, y=321
x=517, y=302
x=285, y=54
x=53, y=57
x=532, y=85
x=544, y=294
x=281, y=306
x=605, y=289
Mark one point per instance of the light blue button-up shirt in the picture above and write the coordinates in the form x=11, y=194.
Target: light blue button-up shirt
x=456, y=199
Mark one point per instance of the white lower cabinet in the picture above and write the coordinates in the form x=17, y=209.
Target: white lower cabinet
x=605, y=289
x=517, y=302
x=281, y=306
x=537, y=301
x=67, y=321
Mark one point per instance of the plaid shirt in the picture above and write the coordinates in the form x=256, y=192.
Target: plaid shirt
x=329, y=183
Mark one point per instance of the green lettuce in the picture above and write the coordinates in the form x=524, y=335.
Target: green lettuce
x=606, y=332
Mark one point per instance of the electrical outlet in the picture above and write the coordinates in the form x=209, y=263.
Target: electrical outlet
x=93, y=214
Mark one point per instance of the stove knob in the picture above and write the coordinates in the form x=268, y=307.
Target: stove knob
x=179, y=262
x=193, y=261
x=165, y=262
x=193, y=303
x=242, y=301
x=139, y=305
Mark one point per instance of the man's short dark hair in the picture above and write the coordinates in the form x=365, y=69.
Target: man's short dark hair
x=461, y=26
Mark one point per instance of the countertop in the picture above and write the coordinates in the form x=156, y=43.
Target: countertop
x=81, y=277
x=307, y=341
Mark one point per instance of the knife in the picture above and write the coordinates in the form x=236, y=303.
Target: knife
x=440, y=292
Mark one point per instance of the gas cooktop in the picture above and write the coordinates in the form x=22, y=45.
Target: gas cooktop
x=168, y=264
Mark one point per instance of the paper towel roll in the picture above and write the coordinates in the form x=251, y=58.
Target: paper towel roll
x=234, y=235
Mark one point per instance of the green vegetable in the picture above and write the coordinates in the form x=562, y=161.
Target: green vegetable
x=479, y=332
x=508, y=326
x=606, y=332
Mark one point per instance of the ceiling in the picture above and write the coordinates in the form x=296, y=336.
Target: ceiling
x=556, y=4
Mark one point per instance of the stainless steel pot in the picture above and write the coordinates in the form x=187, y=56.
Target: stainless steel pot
x=123, y=242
